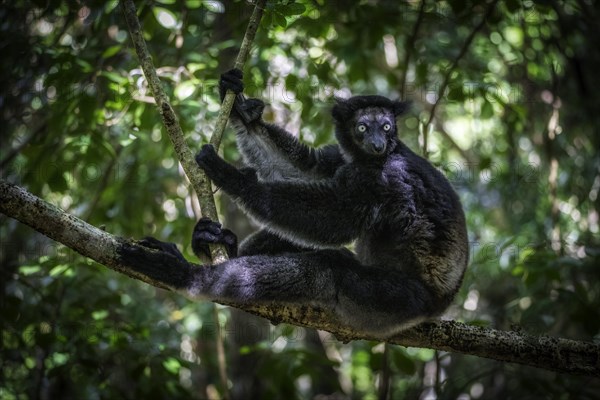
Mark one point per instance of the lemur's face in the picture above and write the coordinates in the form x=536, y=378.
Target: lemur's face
x=373, y=127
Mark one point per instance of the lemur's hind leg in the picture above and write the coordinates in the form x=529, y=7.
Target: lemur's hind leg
x=265, y=242
x=373, y=300
x=207, y=232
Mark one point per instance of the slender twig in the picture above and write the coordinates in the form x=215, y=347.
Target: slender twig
x=409, y=46
x=16, y=150
x=196, y=176
x=451, y=69
x=215, y=139
x=386, y=376
x=198, y=179
x=465, y=154
x=103, y=184
x=221, y=359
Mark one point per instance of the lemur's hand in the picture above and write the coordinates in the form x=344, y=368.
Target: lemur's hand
x=224, y=175
x=231, y=80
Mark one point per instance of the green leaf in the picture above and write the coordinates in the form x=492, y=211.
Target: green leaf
x=279, y=19
x=456, y=94
x=86, y=67
x=172, y=365
x=29, y=269
x=99, y=315
x=185, y=90
x=422, y=72
x=513, y=5
x=57, y=182
x=403, y=362
x=165, y=18
x=291, y=82
x=487, y=110
x=193, y=3
x=60, y=358
x=111, y=51
x=113, y=76
x=128, y=140
x=59, y=269
x=292, y=9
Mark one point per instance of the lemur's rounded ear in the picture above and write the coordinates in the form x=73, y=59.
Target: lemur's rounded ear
x=400, y=107
x=340, y=110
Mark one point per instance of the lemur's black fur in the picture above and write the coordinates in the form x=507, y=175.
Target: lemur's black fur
x=403, y=216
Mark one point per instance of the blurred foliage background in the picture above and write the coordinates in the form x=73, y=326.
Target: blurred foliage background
x=506, y=100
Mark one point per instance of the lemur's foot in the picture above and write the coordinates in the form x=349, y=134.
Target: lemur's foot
x=208, y=232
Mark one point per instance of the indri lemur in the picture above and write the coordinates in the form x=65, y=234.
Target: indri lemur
x=402, y=214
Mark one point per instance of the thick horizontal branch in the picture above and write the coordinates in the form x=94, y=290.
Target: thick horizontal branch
x=69, y=230
x=556, y=354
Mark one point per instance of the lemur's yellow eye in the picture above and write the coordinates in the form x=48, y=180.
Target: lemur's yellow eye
x=362, y=128
x=387, y=127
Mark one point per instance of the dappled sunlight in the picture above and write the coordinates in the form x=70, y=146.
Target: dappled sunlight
x=504, y=105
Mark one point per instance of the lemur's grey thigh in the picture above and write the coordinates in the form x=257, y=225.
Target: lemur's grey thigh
x=265, y=242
